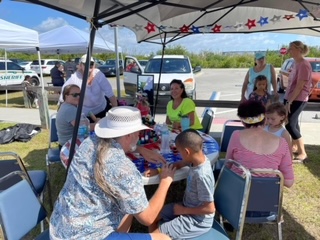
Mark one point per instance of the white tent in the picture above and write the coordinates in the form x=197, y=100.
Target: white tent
x=15, y=36
x=68, y=40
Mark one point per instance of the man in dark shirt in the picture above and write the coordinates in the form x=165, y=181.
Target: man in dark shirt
x=70, y=67
x=57, y=75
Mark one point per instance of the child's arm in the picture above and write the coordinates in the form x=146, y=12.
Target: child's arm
x=206, y=208
x=180, y=164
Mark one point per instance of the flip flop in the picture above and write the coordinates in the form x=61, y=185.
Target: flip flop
x=300, y=161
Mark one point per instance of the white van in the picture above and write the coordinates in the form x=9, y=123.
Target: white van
x=173, y=67
x=15, y=74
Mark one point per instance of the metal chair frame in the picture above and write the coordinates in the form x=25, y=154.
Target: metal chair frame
x=227, y=132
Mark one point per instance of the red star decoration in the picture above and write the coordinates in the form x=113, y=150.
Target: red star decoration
x=251, y=23
x=184, y=29
x=216, y=28
x=150, y=27
x=288, y=17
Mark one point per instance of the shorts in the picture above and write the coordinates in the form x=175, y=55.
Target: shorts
x=183, y=226
x=129, y=236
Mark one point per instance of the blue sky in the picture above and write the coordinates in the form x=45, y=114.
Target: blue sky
x=43, y=19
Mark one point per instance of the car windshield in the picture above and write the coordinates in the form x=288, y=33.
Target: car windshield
x=36, y=62
x=111, y=62
x=315, y=66
x=169, y=65
x=143, y=63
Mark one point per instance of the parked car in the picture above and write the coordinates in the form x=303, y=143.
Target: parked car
x=26, y=65
x=143, y=63
x=283, y=76
x=15, y=74
x=173, y=67
x=109, y=68
x=46, y=65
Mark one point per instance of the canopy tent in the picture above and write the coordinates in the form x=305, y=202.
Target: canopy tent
x=15, y=36
x=68, y=40
x=135, y=13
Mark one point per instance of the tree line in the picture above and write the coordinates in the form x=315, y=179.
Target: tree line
x=205, y=59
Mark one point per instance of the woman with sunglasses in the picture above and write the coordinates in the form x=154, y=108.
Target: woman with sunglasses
x=66, y=116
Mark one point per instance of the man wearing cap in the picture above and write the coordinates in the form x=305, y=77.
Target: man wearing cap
x=104, y=189
x=97, y=88
x=260, y=68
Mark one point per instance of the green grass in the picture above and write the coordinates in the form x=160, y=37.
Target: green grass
x=301, y=202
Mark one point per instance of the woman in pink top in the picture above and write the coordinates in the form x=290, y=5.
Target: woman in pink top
x=254, y=147
x=297, y=96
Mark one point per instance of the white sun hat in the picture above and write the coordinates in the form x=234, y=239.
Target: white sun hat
x=119, y=121
x=83, y=59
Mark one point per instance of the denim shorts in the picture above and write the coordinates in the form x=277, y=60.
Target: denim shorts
x=129, y=236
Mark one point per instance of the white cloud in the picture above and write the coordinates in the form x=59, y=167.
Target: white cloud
x=50, y=23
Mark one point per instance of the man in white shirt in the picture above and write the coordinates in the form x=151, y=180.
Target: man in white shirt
x=98, y=87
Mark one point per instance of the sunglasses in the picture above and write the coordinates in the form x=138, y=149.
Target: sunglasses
x=74, y=94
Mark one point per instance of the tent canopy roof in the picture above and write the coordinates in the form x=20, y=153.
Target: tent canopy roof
x=67, y=40
x=178, y=18
x=15, y=36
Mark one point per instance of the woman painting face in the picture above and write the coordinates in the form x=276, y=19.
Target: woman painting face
x=175, y=90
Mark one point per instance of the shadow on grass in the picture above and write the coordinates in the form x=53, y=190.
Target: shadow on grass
x=313, y=163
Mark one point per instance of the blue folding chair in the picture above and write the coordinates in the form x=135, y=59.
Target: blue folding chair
x=20, y=209
x=207, y=121
x=53, y=154
x=228, y=128
x=230, y=196
x=13, y=162
x=265, y=199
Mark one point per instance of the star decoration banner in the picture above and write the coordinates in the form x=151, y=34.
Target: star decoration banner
x=238, y=20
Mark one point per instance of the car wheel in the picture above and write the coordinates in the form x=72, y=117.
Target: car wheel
x=35, y=82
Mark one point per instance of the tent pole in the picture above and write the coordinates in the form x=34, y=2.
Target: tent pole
x=6, y=68
x=115, y=29
x=94, y=25
x=161, y=62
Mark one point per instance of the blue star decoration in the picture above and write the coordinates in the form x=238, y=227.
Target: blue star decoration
x=195, y=29
x=263, y=21
x=162, y=27
x=302, y=14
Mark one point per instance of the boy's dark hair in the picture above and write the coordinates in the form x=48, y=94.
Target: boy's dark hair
x=278, y=108
x=26, y=77
x=189, y=138
x=258, y=79
x=251, y=109
x=181, y=84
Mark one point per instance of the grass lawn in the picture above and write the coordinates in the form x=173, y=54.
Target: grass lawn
x=301, y=202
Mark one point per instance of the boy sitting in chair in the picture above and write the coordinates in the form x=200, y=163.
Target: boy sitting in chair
x=194, y=216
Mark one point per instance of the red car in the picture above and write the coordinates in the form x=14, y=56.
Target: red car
x=285, y=70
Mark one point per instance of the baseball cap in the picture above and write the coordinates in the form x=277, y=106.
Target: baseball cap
x=84, y=58
x=259, y=55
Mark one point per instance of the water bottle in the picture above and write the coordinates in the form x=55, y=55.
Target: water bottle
x=84, y=127
x=165, y=139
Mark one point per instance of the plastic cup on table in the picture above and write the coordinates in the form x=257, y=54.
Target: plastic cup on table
x=185, y=123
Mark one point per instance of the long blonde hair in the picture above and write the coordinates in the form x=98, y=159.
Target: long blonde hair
x=100, y=168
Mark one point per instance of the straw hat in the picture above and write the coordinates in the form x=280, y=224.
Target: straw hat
x=119, y=121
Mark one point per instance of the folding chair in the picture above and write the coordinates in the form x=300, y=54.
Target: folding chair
x=265, y=199
x=207, y=121
x=228, y=128
x=20, y=209
x=230, y=196
x=53, y=154
x=38, y=178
